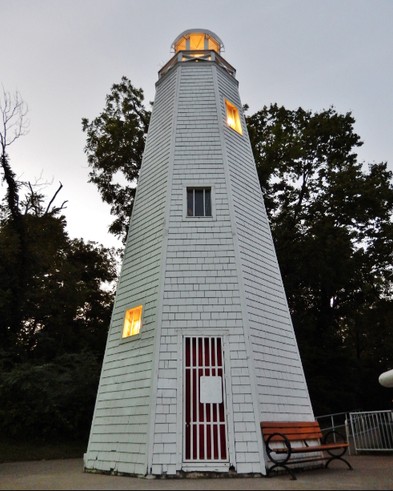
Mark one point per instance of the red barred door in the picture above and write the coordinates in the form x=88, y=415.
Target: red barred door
x=205, y=434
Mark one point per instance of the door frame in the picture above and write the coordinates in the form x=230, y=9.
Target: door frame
x=219, y=466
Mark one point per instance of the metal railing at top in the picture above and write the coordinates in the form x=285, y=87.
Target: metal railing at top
x=197, y=55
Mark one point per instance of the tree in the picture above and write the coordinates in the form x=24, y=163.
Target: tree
x=115, y=142
x=49, y=401
x=13, y=125
x=56, y=297
x=332, y=226
x=70, y=272
x=52, y=355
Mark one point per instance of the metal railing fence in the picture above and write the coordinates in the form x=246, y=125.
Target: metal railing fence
x=366, y=431
x=372, y=431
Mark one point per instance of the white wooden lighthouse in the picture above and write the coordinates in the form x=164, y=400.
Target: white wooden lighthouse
x=201, y=346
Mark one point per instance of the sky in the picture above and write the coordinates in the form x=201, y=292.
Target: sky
x=63, y=56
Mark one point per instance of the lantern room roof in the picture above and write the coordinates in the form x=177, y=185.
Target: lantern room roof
x=206, y=32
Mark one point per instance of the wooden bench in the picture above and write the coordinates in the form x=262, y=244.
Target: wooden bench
x=285, y=441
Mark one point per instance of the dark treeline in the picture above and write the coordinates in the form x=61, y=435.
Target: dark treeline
x=56, y=297
x=331, y=220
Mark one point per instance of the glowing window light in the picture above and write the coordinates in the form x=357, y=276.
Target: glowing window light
x=181, y=45
x=212, y=44
x=132, y=322
x=233, y=118
x=197, y=41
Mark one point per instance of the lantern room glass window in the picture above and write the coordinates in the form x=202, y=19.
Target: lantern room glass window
x=181, y=45
x=233, y=117
x=132, y=322
x=199, y=202
x=198, y=40
x=212, y=44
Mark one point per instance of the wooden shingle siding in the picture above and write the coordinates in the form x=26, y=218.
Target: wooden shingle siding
x=120, y=426
x=272, y=338
x=201, y=289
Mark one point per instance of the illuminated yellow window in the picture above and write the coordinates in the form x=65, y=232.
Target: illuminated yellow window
x=233, y=118
x=132, y=322
x=181, y=45
x=197, y=41
x=212, y=44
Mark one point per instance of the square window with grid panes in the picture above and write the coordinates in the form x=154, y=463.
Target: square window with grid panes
x=199, y=202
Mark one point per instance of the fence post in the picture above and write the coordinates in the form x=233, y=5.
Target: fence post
x=347, y=433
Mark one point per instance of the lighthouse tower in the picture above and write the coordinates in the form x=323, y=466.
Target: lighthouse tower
x=201, y=346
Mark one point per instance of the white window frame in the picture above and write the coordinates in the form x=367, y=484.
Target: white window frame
x=200, y=185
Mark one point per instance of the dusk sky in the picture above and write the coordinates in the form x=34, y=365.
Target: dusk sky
x=63, y=56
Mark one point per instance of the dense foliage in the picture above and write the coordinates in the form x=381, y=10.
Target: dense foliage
x=56, y=297
x=332, y=225
x=53, y=326
x=114, y=147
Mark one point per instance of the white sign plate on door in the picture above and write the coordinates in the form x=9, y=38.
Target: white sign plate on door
x=210, y=390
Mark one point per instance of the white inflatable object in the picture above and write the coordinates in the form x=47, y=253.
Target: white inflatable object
x=386, y=378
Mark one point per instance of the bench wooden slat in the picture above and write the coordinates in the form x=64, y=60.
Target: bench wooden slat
x=299, y=430
x=295, y=435
x=313, y=448
x=289, y=424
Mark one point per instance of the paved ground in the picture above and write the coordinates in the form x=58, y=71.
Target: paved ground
x=370, y=472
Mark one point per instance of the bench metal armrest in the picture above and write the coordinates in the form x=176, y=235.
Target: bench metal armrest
x=271, y=450
x=335, y=437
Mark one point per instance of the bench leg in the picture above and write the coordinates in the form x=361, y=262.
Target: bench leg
x=338, y=458
x=275, y=466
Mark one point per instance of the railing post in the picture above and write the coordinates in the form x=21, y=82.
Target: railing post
x=347, y=433
x=333, y=427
